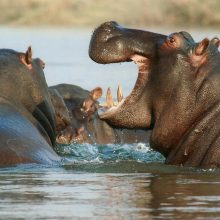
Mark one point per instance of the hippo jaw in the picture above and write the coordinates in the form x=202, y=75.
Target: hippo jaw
x=112, y=43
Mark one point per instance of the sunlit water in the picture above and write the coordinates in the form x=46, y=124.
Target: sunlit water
x=100, y=181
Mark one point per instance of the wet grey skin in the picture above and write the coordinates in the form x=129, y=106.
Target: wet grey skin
x=177, y=92
x=27, y=116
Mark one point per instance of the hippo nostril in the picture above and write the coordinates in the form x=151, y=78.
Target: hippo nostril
x=107, y=30
x=110, y=24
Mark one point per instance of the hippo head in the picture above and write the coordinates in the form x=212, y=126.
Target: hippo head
x=23, y=84
x=74, y=108
x=177, y=86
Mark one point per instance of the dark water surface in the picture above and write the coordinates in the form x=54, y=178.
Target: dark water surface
x=109, y=182
x=100, y=182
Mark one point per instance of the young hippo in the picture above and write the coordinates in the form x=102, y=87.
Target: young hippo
x=81, y=106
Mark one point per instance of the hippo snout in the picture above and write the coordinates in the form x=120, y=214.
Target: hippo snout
x=107, y=41
x=112, y=43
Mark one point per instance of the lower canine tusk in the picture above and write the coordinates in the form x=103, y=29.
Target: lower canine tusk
x=109, y=98
x=119, y=94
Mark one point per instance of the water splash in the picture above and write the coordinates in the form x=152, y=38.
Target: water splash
x=87, y=153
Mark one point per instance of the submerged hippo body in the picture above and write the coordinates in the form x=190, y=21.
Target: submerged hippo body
x=177, y=93
x=86, y=126
x=27, y=126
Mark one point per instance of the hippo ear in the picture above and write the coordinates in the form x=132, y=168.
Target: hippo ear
x=96, y=93
x=28, y=55
x=89, y=103
x=26, y=58
x=202, y=46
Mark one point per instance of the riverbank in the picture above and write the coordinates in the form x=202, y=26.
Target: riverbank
x=89, y=13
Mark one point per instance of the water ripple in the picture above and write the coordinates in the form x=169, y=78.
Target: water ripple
x=87, y=153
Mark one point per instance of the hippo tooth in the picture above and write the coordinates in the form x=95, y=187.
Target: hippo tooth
x=109, y=98
x=119, y=94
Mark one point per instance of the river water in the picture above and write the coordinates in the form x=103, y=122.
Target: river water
x=100, y=181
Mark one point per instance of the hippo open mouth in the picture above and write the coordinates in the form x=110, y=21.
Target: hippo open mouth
x=142, y=79
x=111, y=43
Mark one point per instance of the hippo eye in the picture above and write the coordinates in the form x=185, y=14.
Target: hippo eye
x=172, y=40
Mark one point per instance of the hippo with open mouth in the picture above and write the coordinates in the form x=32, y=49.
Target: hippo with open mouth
x=177, y=92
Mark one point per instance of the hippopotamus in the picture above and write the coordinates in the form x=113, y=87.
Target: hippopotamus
x=73, y=111
x=78, y=121
x=176, y=95
x=27, y=125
